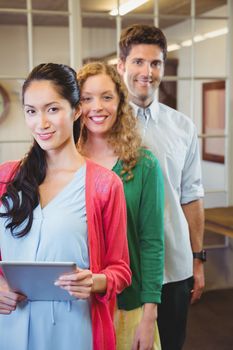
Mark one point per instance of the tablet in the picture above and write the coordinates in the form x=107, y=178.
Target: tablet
x=36, y=279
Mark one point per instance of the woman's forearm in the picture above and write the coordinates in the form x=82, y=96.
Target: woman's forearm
x=150, y=311
x=99, y=283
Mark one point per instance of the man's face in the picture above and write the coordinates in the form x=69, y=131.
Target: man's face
x=142, y=72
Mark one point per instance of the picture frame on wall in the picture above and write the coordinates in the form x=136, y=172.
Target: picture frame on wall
x=213, y=126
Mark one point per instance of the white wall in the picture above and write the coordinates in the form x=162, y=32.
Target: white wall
x=98, y=42
x=14, y=137
x=13, y=43
x=209, y=61
x=50, y=44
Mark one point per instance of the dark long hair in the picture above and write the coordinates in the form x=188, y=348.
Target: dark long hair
x=22, y=193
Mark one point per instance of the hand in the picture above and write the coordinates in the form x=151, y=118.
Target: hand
x=145, y=332
x=8, y=299
x=78, y=284
x=199, y=280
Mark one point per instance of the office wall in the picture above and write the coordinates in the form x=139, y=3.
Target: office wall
x=209, y=61
x=52, y=44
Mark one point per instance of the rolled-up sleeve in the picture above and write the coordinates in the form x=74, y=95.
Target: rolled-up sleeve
x=191, y=183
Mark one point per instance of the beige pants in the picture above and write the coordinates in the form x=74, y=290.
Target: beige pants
x=126, y=323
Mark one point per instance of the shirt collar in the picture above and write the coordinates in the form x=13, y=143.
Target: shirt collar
x=153, y=107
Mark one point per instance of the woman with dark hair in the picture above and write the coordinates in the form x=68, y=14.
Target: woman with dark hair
x=109, y=136
x=58, y=206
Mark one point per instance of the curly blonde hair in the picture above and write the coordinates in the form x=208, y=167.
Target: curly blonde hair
x=124, y=136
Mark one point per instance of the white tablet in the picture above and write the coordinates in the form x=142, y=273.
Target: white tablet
x=36, y=279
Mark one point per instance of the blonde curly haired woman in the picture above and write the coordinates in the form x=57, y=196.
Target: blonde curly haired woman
x=109, y=137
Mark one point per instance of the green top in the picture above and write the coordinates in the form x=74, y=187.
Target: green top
x=145, y=209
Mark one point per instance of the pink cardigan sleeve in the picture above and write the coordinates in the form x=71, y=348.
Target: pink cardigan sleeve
x=7, y=171
x=117, y=257
x=107, y=229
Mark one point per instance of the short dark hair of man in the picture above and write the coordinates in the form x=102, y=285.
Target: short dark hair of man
x=141, y=34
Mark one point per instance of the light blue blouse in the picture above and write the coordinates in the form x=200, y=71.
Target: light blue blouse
x=58, y=233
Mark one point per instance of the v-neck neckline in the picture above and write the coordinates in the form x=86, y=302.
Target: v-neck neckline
x=82, y=168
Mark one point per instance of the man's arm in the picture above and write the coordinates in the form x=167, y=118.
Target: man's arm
x=194, y=213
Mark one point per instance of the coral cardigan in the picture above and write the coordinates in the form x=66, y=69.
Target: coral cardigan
x=108, y=248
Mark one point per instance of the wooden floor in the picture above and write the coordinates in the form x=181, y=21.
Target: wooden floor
x=210, y=323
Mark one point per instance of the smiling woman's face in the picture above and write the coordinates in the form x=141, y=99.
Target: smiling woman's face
x=100, y=101
x=48, y=115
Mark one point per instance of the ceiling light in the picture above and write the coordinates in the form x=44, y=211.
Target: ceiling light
x=127, y=7
x=186, y=43
x=173, y=47
x=215, y=33
x=198, y=38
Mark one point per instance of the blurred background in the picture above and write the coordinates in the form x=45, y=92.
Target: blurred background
x=198, y=82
